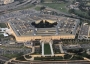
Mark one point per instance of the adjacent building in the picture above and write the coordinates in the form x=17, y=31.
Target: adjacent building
x=6, y=1
x=84, y=32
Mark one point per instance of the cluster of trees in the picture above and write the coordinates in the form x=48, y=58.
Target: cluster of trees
x=71, y=11
x=84, y=9
x=42, y=8
x=77, y=51
x=49, y=58
x=20, y=57
x=89, y=12
x=43, y=24
x=42, y=1
x=85, y=55
x=81, y=13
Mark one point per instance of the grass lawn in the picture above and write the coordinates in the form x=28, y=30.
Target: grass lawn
x=21, y=58
x=60, y=6
x=37, y=8
x=26, y=7
x=27, y=56
x=1, y=36
x=47, y=49
x=10, y=55
x=81, y=13
x=57, y=51
x=47, y=0
x=18, y=55
x=49, y=58
x=84, y=54
x=77, y=58
x=58, y=58
x=67, y=56
x=3, y=25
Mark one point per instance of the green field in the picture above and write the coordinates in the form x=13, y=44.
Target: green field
x=49, y=58
x=1, y=36
x=37, y=8
x=77, y=57
x=13, y=55
x=21, y=58
x=25, y=7
x=47, y=49
x=60, y=6
x=10, y=55
x=47, y=0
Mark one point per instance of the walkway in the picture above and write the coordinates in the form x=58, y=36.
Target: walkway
x=61, y=49
x=42, y=48
x=51, y=48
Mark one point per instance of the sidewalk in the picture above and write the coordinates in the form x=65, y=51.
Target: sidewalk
x=61, y=49
x=51, y=48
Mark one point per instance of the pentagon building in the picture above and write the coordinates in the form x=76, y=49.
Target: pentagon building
x=23, y=30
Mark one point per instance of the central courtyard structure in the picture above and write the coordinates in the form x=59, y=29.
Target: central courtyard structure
x=43, y=27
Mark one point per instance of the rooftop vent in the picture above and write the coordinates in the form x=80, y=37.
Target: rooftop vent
x=36, y=29
x=34, y=34
x=56, y=34
x=46, y=31
x=18, y=30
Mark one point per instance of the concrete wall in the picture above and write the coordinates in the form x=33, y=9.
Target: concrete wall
x=28, y=38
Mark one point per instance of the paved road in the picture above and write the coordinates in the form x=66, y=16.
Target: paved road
x=7, y=48
x=64, y=14
x=61, y=62
x=4, y=58
x=16, y=5
x=51, y=62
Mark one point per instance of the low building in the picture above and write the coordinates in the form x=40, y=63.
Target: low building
x=6, y=1
x=24, y=31
x=84, y=32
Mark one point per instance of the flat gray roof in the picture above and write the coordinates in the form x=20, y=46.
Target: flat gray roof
x=23, y=27
x=84, y=30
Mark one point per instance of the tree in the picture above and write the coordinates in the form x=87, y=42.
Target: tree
x=42, y=1
x=89, y=12
x=71, y=10
x=42, y=8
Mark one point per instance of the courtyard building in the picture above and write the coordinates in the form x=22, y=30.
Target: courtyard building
x=43, y=27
